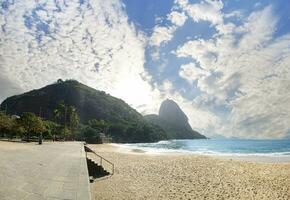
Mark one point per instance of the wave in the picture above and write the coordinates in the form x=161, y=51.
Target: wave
x=216, y=147
x=241, y=154
x=152, y=150
x=164, y=142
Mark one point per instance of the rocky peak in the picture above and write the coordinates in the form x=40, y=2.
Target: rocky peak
x=171, y=112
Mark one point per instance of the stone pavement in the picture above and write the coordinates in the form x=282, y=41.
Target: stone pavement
x=48, y=171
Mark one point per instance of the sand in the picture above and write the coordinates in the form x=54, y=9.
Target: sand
x=185, y=176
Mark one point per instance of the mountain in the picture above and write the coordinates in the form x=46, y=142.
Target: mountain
x=127, y=125
x=173, y=120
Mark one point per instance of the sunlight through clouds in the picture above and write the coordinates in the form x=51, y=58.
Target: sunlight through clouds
x=227, y=68
x=91, y=42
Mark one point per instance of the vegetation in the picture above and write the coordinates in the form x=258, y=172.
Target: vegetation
x=99, y=125
x=136, y=132
x=6, y=124
x=91, y=135
x=29, y=125
x=71, y=109
x=67, y=117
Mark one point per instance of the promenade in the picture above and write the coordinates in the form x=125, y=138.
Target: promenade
x=48, y=171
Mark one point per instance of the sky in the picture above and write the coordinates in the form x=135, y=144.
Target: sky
x=226, y=63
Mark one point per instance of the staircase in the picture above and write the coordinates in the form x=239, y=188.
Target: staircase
x=97, y=169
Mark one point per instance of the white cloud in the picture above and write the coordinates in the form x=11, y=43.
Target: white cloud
x=242, y=68
x=258, y=29
x=249, y=75
x=204, y=52
x=207, y=10
x=191, y=72
x=86, y=42
x=234, y=14
x=177, y=18
x=210, y=11
x=162, y=34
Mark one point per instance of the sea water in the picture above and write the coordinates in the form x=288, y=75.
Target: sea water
x=226, y=147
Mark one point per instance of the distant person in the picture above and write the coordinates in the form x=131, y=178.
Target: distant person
x=40, y=139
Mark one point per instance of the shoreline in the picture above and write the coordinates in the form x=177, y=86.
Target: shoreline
x=139, y=175
x=262, y=158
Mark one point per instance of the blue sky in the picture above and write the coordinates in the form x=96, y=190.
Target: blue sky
x=144, y=15
x=226, y=63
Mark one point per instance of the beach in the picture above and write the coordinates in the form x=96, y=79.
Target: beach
x=139, y=175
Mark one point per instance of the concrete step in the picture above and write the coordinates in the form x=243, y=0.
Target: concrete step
x=95, y=170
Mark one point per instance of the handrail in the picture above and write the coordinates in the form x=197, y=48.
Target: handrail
x=87, y=149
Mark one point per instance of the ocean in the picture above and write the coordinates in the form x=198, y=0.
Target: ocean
x=225, y=147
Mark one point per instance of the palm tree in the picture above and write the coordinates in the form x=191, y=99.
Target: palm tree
x=73, y=118
x=64, y=114
x=56, y=115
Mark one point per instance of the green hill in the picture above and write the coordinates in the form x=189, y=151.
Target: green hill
x=173, y=120
x=126, y=124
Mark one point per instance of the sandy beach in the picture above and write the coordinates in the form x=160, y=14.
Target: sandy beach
x=139, y=175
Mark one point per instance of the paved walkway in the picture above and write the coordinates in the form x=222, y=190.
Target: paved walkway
x=48, y=171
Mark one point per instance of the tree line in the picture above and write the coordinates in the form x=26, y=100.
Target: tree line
x=65, y=126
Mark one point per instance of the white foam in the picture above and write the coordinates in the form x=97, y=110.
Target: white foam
x=152, y=150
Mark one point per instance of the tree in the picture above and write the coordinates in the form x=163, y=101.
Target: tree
x=60, y=116
x=118, y=131
x=59, y=81
x=68, y=117
x=56, y=115
x=66, y=133
x=51, y=128
x=5, y=124
x=59, y=113
x=73, y=118
x=17, y=129
x=92, y=135
x=100, y=125
x=32, y=124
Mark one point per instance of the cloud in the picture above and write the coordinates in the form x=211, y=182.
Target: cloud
x=204, y=52
x=247, y=73
x=207, y=10
x=234, y=14
x=90, y=41
x=241, y=74
x=161, y=34
x=8, y=88
x=191, y=72
x=177, y=18
x=199, y=117
x=258, y=29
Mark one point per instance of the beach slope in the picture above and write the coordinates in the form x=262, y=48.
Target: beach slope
x=139, y=175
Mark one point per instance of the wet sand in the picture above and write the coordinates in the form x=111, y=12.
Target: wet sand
x=139, y=175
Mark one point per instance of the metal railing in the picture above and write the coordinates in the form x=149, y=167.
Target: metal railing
x=102, y=159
